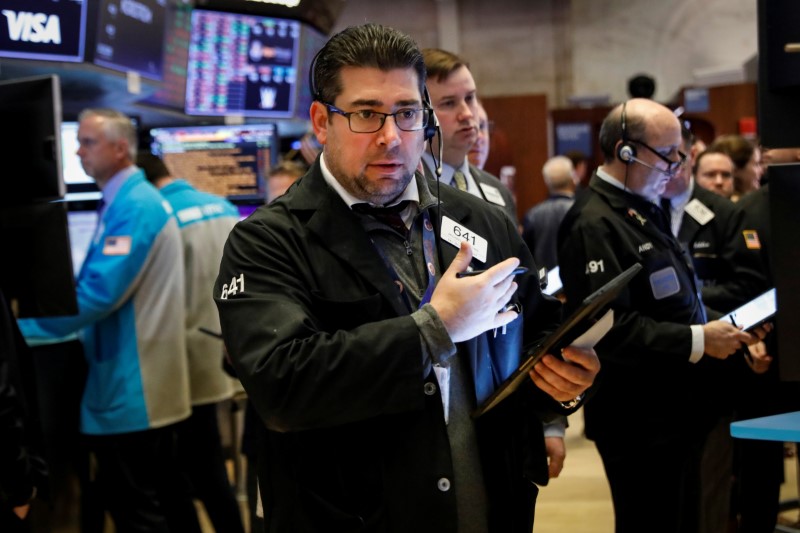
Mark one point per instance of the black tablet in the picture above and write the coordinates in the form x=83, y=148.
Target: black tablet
x=578, y=322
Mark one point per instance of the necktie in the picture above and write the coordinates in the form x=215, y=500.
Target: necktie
x=389, y=215
x=460, y=180
x=666, y=207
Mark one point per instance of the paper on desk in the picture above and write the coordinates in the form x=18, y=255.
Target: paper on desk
x=593, y=335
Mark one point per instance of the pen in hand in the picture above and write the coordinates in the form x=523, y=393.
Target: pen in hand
x=745, y=349
x=516, y=272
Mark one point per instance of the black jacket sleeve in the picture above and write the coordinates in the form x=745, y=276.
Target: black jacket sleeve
x=19, y=469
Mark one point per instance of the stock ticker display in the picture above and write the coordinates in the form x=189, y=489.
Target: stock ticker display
x=242, y=64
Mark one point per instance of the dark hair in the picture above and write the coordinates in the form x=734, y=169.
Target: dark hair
x=577, y=157
x=611, y=130
x=439, y=63
x=152, y=165
x=739, y=149
x=370, y=45
x=708, y=151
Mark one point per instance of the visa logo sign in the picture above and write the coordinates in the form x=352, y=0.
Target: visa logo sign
x=33, y=27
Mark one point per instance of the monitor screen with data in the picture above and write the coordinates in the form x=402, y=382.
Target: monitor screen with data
x=242, y=65
x=229, y=161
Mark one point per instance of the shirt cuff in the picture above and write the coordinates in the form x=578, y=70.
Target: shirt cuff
x=556, y=428
x=698, y=343
x=437, y=347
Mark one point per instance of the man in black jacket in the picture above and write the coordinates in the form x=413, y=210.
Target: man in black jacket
x=645, y=409
x=362, y=351
x=21, y=470
x=710, y=227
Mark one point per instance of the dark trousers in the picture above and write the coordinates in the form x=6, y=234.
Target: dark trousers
x=203, y=462
x=60, y=371
x=252, y=440
x=137, y=479
x=654, y=485
x=758, y=473
x=10, y=523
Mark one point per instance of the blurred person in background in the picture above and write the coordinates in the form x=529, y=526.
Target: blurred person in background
x=479, y=152
x=746, y=156
x=541, y=222
x=713, y=171
x=204, y=221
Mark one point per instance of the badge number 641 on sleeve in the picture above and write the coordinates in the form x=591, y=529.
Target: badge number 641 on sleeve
x=234, y=287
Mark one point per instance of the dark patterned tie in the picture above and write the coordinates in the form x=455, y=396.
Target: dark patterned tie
x=389, y=215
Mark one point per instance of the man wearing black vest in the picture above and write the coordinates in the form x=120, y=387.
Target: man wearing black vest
x=645, y=410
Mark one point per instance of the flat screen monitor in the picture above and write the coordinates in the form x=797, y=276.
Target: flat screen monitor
x=30, y=144
x=50, y=30
x=130, y=36
x=80, y=186
x=319, y=14
x=242, y=65
x=229, y=161
x=82, y=224
x=36, y=271
x=171, y=92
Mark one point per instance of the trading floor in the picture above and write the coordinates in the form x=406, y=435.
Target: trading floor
x=579, y=500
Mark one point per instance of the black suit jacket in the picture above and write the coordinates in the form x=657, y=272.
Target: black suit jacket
x=333, y=364
x=731, y=274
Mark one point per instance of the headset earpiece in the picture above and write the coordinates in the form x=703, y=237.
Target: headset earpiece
x=312, y=85
x=626, y=151
x=433, y=122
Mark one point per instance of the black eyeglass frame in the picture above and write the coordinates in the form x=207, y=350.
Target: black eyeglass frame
x=427, y=112
x=672, y=166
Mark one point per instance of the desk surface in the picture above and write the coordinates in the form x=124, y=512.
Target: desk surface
x=785, y=428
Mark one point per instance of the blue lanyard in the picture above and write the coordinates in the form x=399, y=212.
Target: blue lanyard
x=428, y=251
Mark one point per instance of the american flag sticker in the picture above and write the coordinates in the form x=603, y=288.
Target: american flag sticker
x=117, y=245
x=751, y=239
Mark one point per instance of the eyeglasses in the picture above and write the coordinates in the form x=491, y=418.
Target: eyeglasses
x=368, y=121
x=672, y=166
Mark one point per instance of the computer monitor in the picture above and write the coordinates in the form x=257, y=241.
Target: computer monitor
x=30, y=112
x=130, y=36
x=229, y=161
x=36, y=272
x=170, y=94
x=80, y=186
x=242, y=65
x=82, y=223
